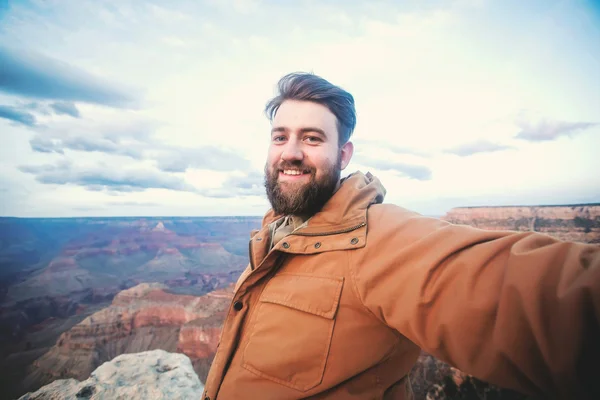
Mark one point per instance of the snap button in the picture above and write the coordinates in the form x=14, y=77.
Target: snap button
x=286, y=245
x=354, y=240
x=238, y=305
x=317, y=245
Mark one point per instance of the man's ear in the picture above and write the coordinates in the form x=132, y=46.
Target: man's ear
x=346, y=154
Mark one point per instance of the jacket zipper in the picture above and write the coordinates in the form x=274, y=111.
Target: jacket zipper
x=251, y=253
x=330, y=233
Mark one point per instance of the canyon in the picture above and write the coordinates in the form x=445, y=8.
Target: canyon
x=54, y=273
x=54, y=269
x=75, y=293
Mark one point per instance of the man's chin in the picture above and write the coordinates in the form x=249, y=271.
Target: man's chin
x=290, y=190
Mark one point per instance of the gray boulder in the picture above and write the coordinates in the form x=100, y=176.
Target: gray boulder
x=150, y=375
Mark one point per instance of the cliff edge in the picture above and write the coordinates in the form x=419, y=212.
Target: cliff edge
x=149, y=375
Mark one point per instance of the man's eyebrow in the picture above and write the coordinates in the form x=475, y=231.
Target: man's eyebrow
x=313, y=129
x=278, y=129
x=307, y=129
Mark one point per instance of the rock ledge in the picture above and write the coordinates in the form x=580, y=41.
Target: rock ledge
x=150, y=375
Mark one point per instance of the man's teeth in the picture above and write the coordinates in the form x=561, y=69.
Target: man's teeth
x=292, y=172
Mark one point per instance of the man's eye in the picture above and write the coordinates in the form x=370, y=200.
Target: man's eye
x=312, y=139
x=278, y=138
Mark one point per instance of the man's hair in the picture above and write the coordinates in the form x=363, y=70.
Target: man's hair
x=310, y=87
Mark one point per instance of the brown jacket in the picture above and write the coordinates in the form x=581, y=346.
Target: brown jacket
x=341, y=307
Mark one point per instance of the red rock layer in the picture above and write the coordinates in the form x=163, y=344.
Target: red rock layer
x=145, y=317
x=580, y=223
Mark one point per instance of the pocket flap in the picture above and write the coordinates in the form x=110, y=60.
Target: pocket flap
x=318, y=295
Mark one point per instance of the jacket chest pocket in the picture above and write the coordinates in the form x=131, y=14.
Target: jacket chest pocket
x=291, y=330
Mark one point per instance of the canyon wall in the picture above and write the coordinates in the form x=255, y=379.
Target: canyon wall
x=579, y=223
x=145, y=317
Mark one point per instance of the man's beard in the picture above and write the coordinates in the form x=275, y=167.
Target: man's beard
x=307, y=199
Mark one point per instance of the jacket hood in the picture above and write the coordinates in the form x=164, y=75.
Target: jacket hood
x=346, y=208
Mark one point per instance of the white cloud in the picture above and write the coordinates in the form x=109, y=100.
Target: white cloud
x=426, y=78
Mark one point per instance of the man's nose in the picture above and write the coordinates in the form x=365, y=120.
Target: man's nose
x=292, y=152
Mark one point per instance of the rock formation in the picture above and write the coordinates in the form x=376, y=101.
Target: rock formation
x=151, y=375
x=580, y=223
x=142, y=318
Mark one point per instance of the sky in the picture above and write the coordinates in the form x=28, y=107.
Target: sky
x=153, y=108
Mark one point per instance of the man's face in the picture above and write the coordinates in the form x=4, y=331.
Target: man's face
x=304, y=161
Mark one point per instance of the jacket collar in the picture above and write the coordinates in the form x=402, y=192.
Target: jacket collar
x=346, y=208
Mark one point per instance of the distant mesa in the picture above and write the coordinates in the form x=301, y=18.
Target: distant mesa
x=146, y=226
x=574, y=222
x=160, y=227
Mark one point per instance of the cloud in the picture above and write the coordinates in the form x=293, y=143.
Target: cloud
x=45, y=145
x=412, y=171
x=66, y=108
x=545, y=130
x=179, y=159
x=30, y=74
x=406, y=150
x=114, y=190
x=168, y=159
x=16, y=115
x=249, y=184
x=110, y=135
x=39, y=108
x=399, y=150
x=240, y=6
x=113, y=181
x=37, y=169
x=133, y=203
x=86, y=208
x=25, y=113
x=100, y=179
x=133, y=139
x=480, y=146
x=101, y=144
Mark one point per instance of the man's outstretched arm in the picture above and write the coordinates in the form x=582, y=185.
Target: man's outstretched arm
x=520, y=310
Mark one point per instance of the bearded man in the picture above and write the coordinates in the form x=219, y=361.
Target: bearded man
x=342, y=291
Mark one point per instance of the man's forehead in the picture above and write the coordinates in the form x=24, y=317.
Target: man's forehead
x=294, y=114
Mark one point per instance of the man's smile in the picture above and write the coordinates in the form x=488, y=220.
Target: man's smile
x=293, y=174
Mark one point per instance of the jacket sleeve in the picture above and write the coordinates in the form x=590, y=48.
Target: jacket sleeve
x=517, y=309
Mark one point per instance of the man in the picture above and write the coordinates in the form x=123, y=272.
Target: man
x=342, y=291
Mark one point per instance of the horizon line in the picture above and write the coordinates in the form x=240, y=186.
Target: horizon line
x=261, y=216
